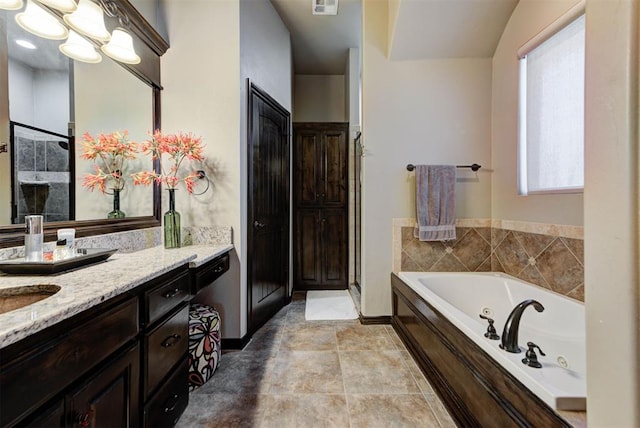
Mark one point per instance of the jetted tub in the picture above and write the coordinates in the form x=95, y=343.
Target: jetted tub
x=461, y=297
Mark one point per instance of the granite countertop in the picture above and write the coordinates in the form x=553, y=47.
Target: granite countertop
x=86, y=287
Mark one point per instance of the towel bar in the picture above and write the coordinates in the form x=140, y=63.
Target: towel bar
x=474, y=167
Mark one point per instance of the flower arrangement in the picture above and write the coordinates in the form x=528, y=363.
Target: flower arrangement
x=109, y=152
x=172, y=149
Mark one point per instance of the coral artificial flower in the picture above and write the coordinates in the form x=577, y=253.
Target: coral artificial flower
x=109, y=153
x=171, y=150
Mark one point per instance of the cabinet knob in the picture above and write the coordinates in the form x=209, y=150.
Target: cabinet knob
x=172, y=293
x=171, y=340
x=258, y=225
x=171, y=403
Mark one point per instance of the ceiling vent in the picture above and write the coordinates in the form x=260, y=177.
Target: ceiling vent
x=324, y=7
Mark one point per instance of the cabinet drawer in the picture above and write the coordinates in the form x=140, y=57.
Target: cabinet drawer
x=169, y=403
x=205, y=275
x=28, y=382
x=165, y=347
x=166, y=296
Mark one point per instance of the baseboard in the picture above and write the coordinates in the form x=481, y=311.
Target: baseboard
x=233, y=344
x=383, y=319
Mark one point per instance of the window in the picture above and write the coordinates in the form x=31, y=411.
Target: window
x=551, y=113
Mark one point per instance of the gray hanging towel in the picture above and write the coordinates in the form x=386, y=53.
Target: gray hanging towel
x=435, y=203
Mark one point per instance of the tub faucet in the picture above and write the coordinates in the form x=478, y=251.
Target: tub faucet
x=510, y=332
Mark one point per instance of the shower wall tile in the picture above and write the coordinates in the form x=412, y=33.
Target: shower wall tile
x=26, y=154
x=553, y=260
x=57, y=158
x=41, y=155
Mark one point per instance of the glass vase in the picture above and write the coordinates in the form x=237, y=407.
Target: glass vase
x=172, y=223
x=116, y=213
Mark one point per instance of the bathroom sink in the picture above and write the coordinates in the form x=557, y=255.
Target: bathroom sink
x=19, y=297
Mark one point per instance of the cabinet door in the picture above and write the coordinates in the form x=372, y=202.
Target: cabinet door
x=307, y=167
x=109, y=398
x=334, y=247
x=308, y=251
x=333, y=183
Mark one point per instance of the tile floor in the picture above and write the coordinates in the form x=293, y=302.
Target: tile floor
x=298, y=373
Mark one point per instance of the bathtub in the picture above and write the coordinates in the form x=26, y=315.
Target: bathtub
x=559, y=330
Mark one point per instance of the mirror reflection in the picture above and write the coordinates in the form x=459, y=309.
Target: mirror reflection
x=51, y=99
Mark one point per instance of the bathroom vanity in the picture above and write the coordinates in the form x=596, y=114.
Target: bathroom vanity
x=108, y=349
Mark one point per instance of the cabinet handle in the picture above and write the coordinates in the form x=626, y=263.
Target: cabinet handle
x=171, y=340
x=172, y=293
x=83, y=419
x=258, y=225
x=171, y=407
x=218, y=269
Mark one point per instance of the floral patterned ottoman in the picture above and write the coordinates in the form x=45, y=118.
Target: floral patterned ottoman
x=204, y=344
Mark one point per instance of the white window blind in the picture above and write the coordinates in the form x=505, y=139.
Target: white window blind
x=551, y=116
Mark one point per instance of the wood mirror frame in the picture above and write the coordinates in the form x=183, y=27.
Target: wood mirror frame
x=150, y=46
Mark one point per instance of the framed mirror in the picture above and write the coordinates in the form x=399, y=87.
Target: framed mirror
x=41, y=168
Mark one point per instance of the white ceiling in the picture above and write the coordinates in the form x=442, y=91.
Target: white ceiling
x=320, y=43
x=45, y=57
x=421, y=29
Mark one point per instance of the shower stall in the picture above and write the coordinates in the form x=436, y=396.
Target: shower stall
x=41, y=176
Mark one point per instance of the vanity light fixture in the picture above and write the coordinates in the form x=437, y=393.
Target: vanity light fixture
x=10, y=4
x=88, y=20
x=38, y=21
x=25, y=44
x=120, y=47
x=78, y=48
x=66, y=6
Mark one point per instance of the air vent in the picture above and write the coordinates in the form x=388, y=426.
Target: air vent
x=324, y=7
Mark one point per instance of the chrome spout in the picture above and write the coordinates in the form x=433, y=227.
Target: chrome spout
x=510, y=331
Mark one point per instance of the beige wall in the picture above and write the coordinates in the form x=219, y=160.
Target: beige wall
x=430, y=111
x=5, y=158
x=611, y=213
x=319, y=98
x=215, y=47
x=528, y=19
x=201, y=80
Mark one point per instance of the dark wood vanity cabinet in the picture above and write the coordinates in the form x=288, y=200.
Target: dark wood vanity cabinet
x=206, y=274
x=121, y=363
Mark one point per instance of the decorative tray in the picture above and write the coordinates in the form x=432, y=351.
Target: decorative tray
x=83, y=257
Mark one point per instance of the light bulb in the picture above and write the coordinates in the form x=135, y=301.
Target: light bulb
x=120, y=47
x=10, y=4
x=38, y=21
x=66, y=6
x=78, y=48
x=88, y=20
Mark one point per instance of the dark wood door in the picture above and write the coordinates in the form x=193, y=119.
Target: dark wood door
x=110, y=398
x=320, y=210
x=268, y=211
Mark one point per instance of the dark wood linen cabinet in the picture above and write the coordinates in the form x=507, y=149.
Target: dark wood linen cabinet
x=320, y=206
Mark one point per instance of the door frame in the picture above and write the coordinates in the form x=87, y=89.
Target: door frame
x=253, y=89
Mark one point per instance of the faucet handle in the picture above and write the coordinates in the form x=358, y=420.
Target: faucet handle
x=531, y=359
x=491, y=330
